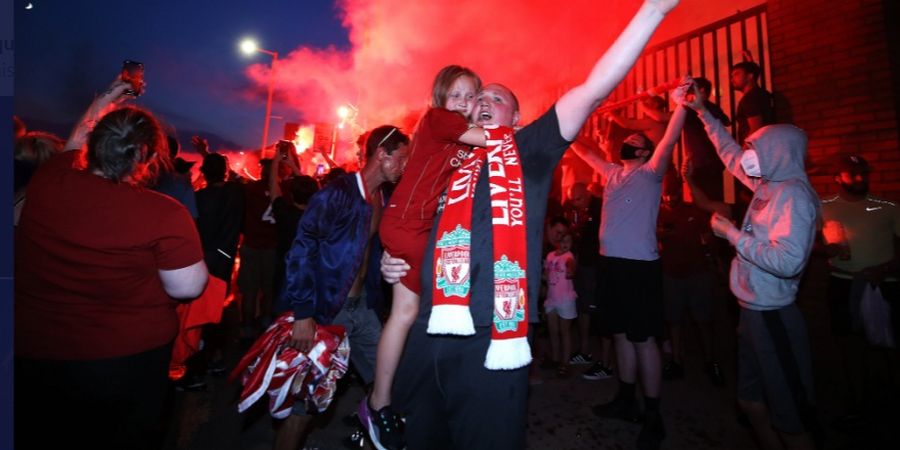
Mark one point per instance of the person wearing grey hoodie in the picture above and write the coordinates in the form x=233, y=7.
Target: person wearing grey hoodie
x=772, y=246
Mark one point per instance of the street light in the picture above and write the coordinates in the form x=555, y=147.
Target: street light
x=343, y=112
x=346, y=113
x=249, y=46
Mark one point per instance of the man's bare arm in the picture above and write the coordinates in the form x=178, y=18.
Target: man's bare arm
x=575, y=106
x=593, y=154
x=701, y=200
x=663, y=153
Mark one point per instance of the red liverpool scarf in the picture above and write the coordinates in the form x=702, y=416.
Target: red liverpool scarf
x=450, y=312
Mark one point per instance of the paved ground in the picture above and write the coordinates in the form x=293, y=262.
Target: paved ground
x=698, y=415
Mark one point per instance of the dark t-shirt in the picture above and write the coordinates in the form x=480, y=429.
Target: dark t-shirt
x=756, y=102
x=682, y=230
x=287, y=216
x=697, y=145
x=258, y=233
x=178, y=186
x=540, y=146
x=586, y=245
x=221, y=211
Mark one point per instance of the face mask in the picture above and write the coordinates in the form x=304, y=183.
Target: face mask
x=635, y=146
x=750, y=163
x=631, y=152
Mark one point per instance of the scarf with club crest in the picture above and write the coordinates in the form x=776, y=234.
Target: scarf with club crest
x=450, y=313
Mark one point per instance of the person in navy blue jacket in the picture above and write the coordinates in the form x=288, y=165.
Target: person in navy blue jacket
x=332, y=274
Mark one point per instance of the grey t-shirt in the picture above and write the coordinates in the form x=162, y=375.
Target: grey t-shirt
x=630, y=209
x=541, y=146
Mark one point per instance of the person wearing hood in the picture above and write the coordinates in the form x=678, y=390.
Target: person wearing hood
x=773, y=245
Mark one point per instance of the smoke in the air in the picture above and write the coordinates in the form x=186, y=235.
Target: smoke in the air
x=538, y=48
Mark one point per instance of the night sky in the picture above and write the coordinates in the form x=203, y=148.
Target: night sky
x=67, y=50
x=380, y=56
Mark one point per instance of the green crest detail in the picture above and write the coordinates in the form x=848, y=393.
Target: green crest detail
x=509, y=325
x=453, y=253
x=507, y=270
x=458, y=237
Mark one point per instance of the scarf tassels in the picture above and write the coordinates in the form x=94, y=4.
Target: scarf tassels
x=450, y=314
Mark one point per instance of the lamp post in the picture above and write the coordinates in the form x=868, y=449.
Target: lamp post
x=343, y=113
x=249, y=47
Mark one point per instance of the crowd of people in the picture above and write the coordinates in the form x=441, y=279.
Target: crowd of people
x=112, y=237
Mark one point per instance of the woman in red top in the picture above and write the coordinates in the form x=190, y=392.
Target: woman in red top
x=99, y=263
x=441, y=143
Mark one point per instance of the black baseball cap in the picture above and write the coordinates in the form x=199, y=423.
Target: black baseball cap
x=851, y=163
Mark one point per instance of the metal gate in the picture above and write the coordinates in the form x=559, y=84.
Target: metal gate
x=709, y=51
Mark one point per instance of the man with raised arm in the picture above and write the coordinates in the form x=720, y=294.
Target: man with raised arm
x=470, y=390
x=631, y=270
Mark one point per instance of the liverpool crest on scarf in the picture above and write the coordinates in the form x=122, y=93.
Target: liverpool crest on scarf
x=452, y=256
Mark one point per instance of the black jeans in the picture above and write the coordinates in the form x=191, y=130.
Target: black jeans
x=111, y=403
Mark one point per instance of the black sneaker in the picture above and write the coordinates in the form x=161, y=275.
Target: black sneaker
x=384, y=426
x=579, y=358
x=217, y=367
x=598, y=372
x=715, y=374
x=673, y=371
x=193, y=383
x=652, y=433
x=618, y=408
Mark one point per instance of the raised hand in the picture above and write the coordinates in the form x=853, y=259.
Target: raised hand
x=684, y=90
x=664, y=6
x=200, y=144
x=694, y=100
x=115, y=92
x=102, y=104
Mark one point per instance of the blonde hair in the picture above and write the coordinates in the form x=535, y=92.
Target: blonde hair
x=445, y=79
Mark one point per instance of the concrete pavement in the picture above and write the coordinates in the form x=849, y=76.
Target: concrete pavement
x=697, y=414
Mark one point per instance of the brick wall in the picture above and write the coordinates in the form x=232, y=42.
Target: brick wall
x=834, y=74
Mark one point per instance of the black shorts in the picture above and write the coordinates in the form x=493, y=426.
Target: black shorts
x=585, y=283
x=631, y=298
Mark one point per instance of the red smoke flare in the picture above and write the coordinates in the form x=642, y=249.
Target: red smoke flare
x=538, y=48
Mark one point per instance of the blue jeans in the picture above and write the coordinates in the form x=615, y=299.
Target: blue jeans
x=363, y=331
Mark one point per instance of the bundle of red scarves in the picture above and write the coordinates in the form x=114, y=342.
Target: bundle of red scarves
x=289, y=376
